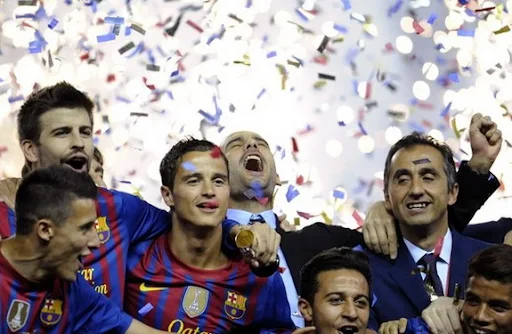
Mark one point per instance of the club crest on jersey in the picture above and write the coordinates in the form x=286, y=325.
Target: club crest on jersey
x=17, y=315
x=234, y=306
x=51, y=312
x=102, y=229
x=194, y=301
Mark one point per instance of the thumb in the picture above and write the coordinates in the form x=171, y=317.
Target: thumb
x=282, y=217
x=305, y=330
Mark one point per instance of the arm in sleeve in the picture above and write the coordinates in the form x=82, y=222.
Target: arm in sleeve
x=93, y=312
x=492, y=232
x=228, y=245
x=474, y=190
x=275, y=310
x=144, y=220
x=332, y=235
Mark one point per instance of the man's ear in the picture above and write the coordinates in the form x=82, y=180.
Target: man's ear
x=452, y=194
x=167, y=196
x=30, y=151
x=45, y=229
x=306, y=310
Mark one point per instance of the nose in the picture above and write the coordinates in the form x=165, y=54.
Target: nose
x=349, y=311
x=482, y=316
x=416, y=189
x=251, y=143
x=207, y=189
x=77, y=140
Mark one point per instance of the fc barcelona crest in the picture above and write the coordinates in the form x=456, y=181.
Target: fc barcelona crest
x=17, y=315
x=234, y=306
x=51, y=312
x=194, y=301
x=102, y=229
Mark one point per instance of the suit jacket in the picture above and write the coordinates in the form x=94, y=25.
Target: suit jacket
x=398, y=288
x=300, y=246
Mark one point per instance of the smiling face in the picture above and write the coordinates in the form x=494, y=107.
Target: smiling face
x=417, y=190
x=251, y=164
x=66, y=138
x=341, y=305
x=200, y=194
x=69, y=241
x=488, y=307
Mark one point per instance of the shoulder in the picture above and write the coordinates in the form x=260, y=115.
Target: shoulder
x=469, y=244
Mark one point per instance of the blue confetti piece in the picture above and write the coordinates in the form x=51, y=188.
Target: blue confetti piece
x=416, y=127
x=470, y=13
x=188, y=166
x=300, y=61
x=358, y=248
x=340, y=28
x=301, y=15
x=106, y=38
x=175, y=73
x=361, y=127
x=127, y=31
x=351, y=55
x=354, y=86
x=291, y=193
x=445, y=111
x=40, y=38
x=40, y=13
x=346, y=4
x=271, y=54
x=466, y=33
x=123, y=99
x=211, y=119
x=145, y=309
x=13, y=99
x=114, y=20
x=169, y=93
x=395, y=8
x=151, y=57
x=432, y=18
x=453, y=77
x=257, y=188
x=26, y=16
x=338, y=194
x=96, y=140
x=261, y=93
x=341, y=123
x=53, y=23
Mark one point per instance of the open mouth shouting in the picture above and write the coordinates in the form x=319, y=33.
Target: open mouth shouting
x=348, y=330
x=253, y=163
x=209, y=206
x=482, y=330
x=78, y=162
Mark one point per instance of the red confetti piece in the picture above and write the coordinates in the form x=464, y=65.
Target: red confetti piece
x=215, y=152
x=358, y=218
x=300, y=180
x=152, y=87
x=389, y=47
x=368, y=90
x=419, y=29
x=195, y=26
x=281, y=270
x=305, y=215
x=111, y=78
x=84, y=56
x=295, y=147
x=263, y=200
x=322, y=60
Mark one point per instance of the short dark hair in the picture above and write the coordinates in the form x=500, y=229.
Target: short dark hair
x=61, y=95
x=47, y=193
x=493, y=264
x=171, y=161
x=332, y=259
x=98, y=156
x=416, y=139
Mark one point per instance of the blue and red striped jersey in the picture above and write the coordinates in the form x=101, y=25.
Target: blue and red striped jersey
x=166, y=294
x=7, y=221
x=122, y=220
x=55, y=306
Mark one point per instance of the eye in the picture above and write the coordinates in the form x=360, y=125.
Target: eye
x=219, y=181
x=402, y=180
x=335, y=301
x=192, y=181
x=87, y=132
x=428, y=178
x=362, y=303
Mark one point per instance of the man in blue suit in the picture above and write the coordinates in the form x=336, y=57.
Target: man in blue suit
x=419, y=185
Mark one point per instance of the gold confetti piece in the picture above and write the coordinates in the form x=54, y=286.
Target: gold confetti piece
x=243, y=62
x=454, y=127
x=326, y=218
x=296, y=221
x=152, y=67
x=319, y=84
x=244, y=238
x=127, y=47
x=293, y=63
x=502, y=30
x=338, y=40
x=27, y=2
x=138, y=29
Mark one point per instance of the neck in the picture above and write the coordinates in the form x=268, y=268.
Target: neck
x=195, y=246
x=250, y=205
x=26, y=257
x=425, y=237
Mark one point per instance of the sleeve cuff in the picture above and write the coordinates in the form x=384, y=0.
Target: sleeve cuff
x=485, y=183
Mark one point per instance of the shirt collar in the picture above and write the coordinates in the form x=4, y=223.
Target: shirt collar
x=244, y=217
x=417, y=253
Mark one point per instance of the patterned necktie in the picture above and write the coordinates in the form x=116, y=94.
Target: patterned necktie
x=432, y=281
x=257, y=219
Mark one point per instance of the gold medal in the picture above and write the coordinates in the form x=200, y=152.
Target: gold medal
x=244, y=239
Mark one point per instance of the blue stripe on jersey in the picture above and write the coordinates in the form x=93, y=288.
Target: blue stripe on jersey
x=229, y=282
x=147, y=278
x=12, y=221
x=164, y=295
x=210, y=286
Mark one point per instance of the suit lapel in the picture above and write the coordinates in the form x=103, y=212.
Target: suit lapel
x=409, y=280
x=458, y=267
